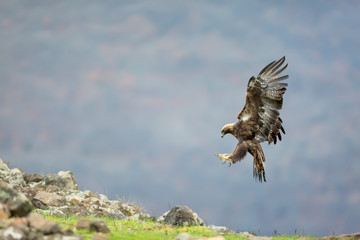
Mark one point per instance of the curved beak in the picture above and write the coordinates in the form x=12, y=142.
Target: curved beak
x=222, y=135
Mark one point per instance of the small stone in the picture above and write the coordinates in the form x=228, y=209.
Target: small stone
x=39, y=187
x=99, y=226
x=13, y=233
x=260, y=238
x=213, y=238
x=183, y=236
x=38, y=204
x=51, y=227
x=217, y=228
x=103, y=198
x=50, y=199
x=4, y=211
x=100, y=236
x=69, y=180
x=38, y=222
x=127, y=209
x=71, y=238
x=29, y=192
x=83, y=224
x=33, y=178
x=247, y=234
x=52, y=189
x=88, y=193
x=16, y=202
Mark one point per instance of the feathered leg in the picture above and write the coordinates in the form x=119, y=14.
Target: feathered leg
x=236, y=156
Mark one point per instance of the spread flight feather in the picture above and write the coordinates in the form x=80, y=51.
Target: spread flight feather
x=259, y=120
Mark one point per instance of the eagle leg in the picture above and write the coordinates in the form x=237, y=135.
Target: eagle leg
x=225, y=158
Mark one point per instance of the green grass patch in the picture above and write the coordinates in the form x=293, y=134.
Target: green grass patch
x=147, y=229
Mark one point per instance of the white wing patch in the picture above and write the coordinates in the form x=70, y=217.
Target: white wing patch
x=245, y=117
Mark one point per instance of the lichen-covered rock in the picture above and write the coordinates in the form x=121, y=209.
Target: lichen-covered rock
x=3, y=166
x=54, y=179
x=16, y=202
x=70, y=182
x=53, y=194
x=182, y=216
x=14, y=177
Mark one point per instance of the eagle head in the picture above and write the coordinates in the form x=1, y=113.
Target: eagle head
x=228, y=128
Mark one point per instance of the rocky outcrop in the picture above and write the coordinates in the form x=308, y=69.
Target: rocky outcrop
x=58, y=194
x=52, y=194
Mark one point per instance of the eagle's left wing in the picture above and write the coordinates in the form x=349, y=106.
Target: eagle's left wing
x=264, y=99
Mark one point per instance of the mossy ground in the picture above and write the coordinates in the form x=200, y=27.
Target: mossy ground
x=138, y=229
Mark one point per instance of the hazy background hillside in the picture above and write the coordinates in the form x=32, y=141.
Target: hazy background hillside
x=131, y=96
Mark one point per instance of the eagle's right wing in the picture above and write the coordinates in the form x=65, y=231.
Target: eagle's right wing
x=264, y=99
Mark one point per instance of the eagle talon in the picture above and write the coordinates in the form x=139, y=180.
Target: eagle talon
x=225, y=158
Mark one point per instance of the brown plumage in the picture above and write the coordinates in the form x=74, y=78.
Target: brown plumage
x=259, y=120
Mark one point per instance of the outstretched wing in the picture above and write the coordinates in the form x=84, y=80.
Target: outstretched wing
x=264, y=99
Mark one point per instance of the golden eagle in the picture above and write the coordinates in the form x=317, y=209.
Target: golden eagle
x=259, y=120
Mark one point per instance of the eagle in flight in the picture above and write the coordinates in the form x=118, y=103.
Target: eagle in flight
x=259, y=120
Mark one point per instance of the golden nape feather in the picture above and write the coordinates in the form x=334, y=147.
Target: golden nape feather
x=259, y=120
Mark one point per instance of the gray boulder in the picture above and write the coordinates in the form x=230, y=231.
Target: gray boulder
x=182, y=216
x=99, y=226
x=16, y=202
x=55, y=180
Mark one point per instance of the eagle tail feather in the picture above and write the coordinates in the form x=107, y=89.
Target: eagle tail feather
x=256, y=150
